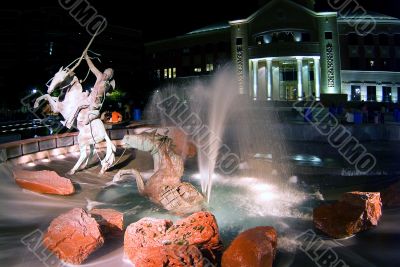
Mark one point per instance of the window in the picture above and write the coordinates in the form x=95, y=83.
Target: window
x=173, y=72
x=197, y=70
x=371, y=93
x=305, y=37
x=312, y=76
x=158, y=74
x=170, y=73
x=328, y=35
x=383, y=39
x=259, y=40
x=355, y=93
x=209, y=67
x=165, y=73
x=353, y=39
x=239, y=41
x=397, y=39
x=387, y=94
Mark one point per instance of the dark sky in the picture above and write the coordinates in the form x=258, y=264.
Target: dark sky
x=162, y=19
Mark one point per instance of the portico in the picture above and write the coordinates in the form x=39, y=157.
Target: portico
x=285, y=78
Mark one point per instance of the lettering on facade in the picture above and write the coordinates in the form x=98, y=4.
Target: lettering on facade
x=239, y=62
x=330, y=65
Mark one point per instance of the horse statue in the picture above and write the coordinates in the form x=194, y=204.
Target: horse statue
x=69, y=104
x=164, y=187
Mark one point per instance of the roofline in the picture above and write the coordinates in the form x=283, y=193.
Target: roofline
x=381, y=21
x=184, y=36
x=255, y=14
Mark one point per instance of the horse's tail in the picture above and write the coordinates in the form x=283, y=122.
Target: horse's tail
x=109, y=159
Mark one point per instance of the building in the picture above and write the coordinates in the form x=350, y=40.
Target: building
x=286, y=51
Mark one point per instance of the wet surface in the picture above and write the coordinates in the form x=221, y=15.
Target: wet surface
x=267, y=196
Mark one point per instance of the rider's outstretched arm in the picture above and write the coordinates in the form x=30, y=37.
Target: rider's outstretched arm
x=94, y=70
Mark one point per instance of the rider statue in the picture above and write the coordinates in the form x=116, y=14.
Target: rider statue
x=94, y=101
x=103, y=85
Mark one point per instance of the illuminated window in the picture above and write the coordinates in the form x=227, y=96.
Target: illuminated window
x=165, y=73
x=209, y=67
x=173, y=72
x=197, y=70
x=170, y=73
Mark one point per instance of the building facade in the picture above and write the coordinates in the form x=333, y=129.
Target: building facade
x=286, y=51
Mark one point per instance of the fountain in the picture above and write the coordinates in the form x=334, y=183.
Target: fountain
x=260, y=189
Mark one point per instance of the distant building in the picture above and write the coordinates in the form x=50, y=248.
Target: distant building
x=286, y=51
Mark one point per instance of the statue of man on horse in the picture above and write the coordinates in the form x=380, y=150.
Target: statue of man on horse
x=84, y=108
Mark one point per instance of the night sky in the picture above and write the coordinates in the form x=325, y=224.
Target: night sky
x=163, y=19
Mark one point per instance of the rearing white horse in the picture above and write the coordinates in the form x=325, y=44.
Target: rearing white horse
x=89, y=134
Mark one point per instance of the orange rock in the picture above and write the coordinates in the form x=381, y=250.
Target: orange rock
x=255, y=247
x=47, y=182
x=199, y=229
x=73, y=236
x=110, y=221
x=355, y=212
x=154, y=242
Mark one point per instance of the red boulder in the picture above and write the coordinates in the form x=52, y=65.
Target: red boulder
x=354, y=212
x=47, y=182
x=73, y=236
x=154, y=242
x=255, y=247
x=110, y=221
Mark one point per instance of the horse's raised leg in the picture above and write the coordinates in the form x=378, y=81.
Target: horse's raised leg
x=91, y=154
x=82, y=157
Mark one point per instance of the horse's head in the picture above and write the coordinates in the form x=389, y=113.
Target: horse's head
x=145, y=141
x=58, y=79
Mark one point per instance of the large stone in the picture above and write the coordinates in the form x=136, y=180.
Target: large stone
x=110, y=221
x=391, y=196
x=47, y=182
x=354, y=212
x=155, y=242
x=199, y=229
x=255, y=247
x=73, y=236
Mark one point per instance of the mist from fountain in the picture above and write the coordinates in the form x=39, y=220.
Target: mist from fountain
x=226, y=127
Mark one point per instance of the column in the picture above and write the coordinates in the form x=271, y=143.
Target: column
x=395, y=97
x=364, y=92
x=317, y=79
x=268, y=69
x=255, y=79
x=299, y=79
x=379, y=93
